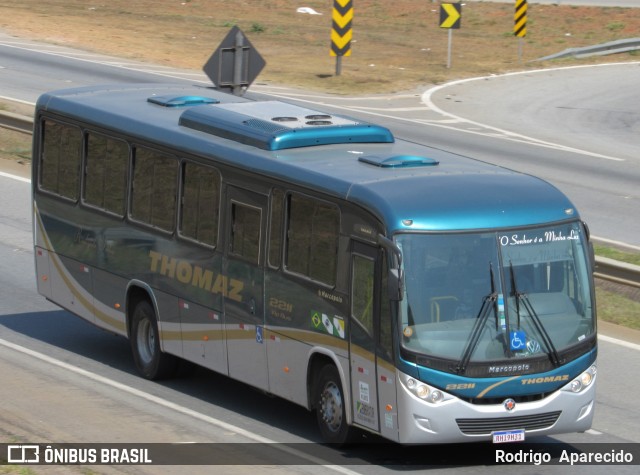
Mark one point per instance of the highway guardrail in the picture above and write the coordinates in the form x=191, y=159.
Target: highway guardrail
x=613, y=47
x=16, y=122
x=617, y=272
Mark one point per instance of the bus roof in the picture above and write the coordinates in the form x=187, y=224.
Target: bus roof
x=408, y=186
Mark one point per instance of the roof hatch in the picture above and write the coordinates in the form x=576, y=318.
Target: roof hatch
x=399, y=161
x=275, y=125
x=181, y=101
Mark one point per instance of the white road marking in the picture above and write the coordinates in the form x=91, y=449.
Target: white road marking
x=616, y=341
x=426, y=100
x=172, y=406
x=17, y=100
x=138, y=67
x=15, y=177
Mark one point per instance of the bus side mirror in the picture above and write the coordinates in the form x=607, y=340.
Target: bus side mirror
x=395, y=284
x=592, y=252
x=592, y=255
x=395, y=276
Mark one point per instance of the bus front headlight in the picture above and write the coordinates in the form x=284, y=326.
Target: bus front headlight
x=422, y=390
x=583, y=381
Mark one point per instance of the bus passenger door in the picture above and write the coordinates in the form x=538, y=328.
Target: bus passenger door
x=244, y=293
x=365, y=278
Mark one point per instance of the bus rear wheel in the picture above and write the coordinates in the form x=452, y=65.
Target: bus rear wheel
x=330, y=407
x=150, y=361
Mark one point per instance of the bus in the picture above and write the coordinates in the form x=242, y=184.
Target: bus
x=389, y=287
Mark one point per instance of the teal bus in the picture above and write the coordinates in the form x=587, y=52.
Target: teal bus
x=389, y=287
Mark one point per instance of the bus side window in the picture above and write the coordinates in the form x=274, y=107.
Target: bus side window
x=275, y=229
x=60, y=159
x=245, y=232
x=200, y=203
x=106, y=170
x=155, y=179
x=362, y=299
x=312, y=238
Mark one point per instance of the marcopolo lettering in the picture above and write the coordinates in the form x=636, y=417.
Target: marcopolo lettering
x=516, y=368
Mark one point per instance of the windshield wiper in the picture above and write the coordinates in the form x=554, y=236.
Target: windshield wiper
x=522, y=297
x=481, y=319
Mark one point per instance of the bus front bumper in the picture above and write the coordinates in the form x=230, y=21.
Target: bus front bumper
x=453, y=420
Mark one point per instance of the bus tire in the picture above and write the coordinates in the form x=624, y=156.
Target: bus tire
x=150, y=361
x=331, y=412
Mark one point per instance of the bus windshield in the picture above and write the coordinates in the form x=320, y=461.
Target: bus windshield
x=485, y=297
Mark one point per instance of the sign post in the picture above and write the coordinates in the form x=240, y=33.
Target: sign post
x=450, y=16
x=341, y=31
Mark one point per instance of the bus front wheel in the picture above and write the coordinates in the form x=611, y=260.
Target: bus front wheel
x=150, y=361
x=330, y=407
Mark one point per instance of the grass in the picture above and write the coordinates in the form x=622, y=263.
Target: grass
x=15, y=146
x=618, y=309
x=618, y=255
x=396, y=46
x=16, y=470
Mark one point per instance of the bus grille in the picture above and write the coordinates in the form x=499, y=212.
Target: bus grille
x=488, y=425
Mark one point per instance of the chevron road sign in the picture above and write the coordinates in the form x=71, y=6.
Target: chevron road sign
x=520, y=24
x=341, y=31
x=520, y=19
x=450, y=15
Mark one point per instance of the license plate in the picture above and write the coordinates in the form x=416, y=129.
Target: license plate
x=505, y=436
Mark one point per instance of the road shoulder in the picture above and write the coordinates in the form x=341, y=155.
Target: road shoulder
x=13, y=167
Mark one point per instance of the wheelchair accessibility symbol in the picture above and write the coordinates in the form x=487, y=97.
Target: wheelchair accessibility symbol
x=259, y=338
x=518, y=340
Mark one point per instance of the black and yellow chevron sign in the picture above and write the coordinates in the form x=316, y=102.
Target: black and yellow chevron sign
x=450, y=14
x=520, y=17
x=341, y=31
